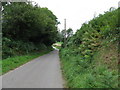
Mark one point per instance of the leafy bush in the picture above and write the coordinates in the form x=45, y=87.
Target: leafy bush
x=13, y=48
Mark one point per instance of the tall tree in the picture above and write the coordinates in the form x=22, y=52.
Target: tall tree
x=23, y=21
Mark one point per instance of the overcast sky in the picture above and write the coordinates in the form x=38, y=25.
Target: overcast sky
x=76, y=11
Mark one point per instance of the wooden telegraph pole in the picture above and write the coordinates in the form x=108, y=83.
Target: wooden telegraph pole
x=65, y=32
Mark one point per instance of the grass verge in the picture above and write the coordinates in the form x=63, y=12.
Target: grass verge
x=16, y=61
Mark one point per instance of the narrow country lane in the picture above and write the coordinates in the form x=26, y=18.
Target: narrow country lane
x=42, y=72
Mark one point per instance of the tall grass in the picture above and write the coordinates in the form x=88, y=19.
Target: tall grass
x=87, y=75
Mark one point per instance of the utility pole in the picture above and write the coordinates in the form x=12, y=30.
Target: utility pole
x=65, y=24
x=65, y=32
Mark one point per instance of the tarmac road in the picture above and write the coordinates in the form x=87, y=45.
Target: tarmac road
x=42, y=72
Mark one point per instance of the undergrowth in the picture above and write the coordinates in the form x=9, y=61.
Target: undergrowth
x=90, y=58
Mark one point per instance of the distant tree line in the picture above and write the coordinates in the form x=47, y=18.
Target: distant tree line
x=65, y=35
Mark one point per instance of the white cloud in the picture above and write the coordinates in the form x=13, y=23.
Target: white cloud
x=77, y=11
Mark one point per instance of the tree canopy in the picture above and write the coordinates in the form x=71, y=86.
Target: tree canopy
x=28, y=23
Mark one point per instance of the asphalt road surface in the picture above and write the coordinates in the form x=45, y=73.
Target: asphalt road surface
x=42, y=72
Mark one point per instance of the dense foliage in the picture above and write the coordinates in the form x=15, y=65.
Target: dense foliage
x=90, y=58
x=27, y=28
